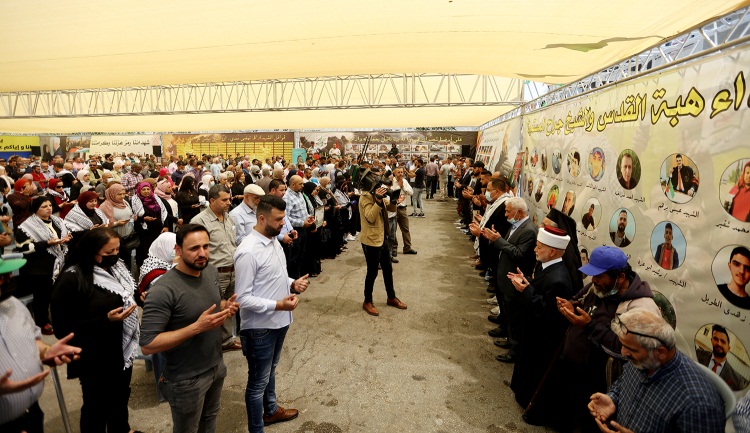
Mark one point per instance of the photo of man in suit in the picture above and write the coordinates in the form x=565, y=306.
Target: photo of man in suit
x=717, y=361
x=625, y=171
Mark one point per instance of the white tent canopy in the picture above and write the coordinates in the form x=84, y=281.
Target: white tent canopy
x=82, y=44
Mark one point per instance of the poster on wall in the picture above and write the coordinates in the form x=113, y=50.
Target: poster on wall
x=260, y=145
x=126, y=144
x=66, y=146
x=660, y=167
x=423, y=144
x=499, y=148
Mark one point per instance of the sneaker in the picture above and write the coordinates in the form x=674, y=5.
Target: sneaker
x=420, y=215
x=495, y=311
x=351, y=238
x=412, y=214
x=492, y=300
x=47, y=330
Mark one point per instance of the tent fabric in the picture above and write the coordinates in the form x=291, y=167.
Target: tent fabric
x=82, y=44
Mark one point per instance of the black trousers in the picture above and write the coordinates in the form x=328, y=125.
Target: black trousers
x=30, y=422
x=297, y=253
x=375, y=256
x=105, y=401
x=41, y=286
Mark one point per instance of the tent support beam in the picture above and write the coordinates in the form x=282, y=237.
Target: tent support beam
x=322, y=93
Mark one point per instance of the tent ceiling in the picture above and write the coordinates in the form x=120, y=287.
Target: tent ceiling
x=83, y=44
x=318, y=119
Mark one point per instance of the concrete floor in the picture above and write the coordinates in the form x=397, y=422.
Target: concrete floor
x=430, y=368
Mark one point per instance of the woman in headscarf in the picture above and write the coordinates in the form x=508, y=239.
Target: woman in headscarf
x=207, y=181
x=118, y=210
x=93, y=298
x=315, y=175
x=20, y=200
x=311, y=265
x=43, y=240
x=164, y=192
x=161, y=258
x=82, y=185
x=572, y=256
x=289, y=175
x=61, y=203
x=152, y=217
x=165, y=175
x=187, y=199
x=85, y=216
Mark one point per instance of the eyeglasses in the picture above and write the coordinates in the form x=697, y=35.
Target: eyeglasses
x=58, y=186
x=625, y=329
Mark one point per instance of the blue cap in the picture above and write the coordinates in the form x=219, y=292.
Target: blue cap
x=603, y=259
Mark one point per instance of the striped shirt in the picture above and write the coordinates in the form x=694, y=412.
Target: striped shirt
x=296, y=208
x=18, y=352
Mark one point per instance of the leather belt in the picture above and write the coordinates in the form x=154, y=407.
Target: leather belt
x=225, y=269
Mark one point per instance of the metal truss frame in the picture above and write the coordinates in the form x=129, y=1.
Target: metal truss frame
x=322, y=93
x=706, y=38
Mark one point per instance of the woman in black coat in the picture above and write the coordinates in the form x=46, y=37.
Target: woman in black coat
x=93, y=298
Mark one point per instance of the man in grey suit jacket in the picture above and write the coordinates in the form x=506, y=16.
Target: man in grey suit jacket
x=516, y=252
x=717, y=361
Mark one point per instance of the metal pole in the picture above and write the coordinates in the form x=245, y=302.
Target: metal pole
x=61, y=399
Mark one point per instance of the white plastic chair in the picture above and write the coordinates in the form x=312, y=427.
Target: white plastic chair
x=730, y=401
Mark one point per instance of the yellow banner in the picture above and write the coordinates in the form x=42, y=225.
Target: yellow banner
x=10, y=143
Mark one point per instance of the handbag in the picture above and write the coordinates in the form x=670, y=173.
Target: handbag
x=131, y=241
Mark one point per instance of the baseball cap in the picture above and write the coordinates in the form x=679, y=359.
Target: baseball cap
x=603, y=259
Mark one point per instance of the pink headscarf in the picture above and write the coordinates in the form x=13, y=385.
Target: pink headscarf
x=161, y=189
x=149, y=202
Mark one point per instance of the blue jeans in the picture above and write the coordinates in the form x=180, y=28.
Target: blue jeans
x=417, y=201
x=262, y=348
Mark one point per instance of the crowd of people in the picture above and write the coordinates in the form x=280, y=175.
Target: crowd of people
x=128, y=254
x=587, y=356
x=98, y=238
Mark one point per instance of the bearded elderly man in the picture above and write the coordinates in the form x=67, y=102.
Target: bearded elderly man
x=543, y=328
x=244, y=215
x=661, y=389
x=580, y=369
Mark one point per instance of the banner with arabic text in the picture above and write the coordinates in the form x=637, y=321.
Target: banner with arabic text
x=259, y=145
x=127, y=144
x=423, y=144
x=660, y=167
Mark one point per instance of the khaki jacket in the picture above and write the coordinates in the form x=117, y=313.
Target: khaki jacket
x=372, y=219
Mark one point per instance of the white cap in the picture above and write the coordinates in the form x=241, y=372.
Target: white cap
x=254, y=189
x=553, y=237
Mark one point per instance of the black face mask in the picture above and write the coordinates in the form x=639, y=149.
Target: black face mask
x=109, y=261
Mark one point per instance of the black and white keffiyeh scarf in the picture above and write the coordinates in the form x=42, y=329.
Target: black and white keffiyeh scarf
x=77, y=221
x=119, y=281
x=36, y=229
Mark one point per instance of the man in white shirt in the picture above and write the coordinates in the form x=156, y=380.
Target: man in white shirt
x=446, y=170
x=402, y=218
x=266, y=305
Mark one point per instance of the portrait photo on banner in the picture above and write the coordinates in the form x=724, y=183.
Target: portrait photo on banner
x=719, y=349
x=574, y=162
x=679, y=178
x=628, y=169
x=668, y=245
x=731, y=271
x=591, y=214
x=622, y=228
x=734, y=190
